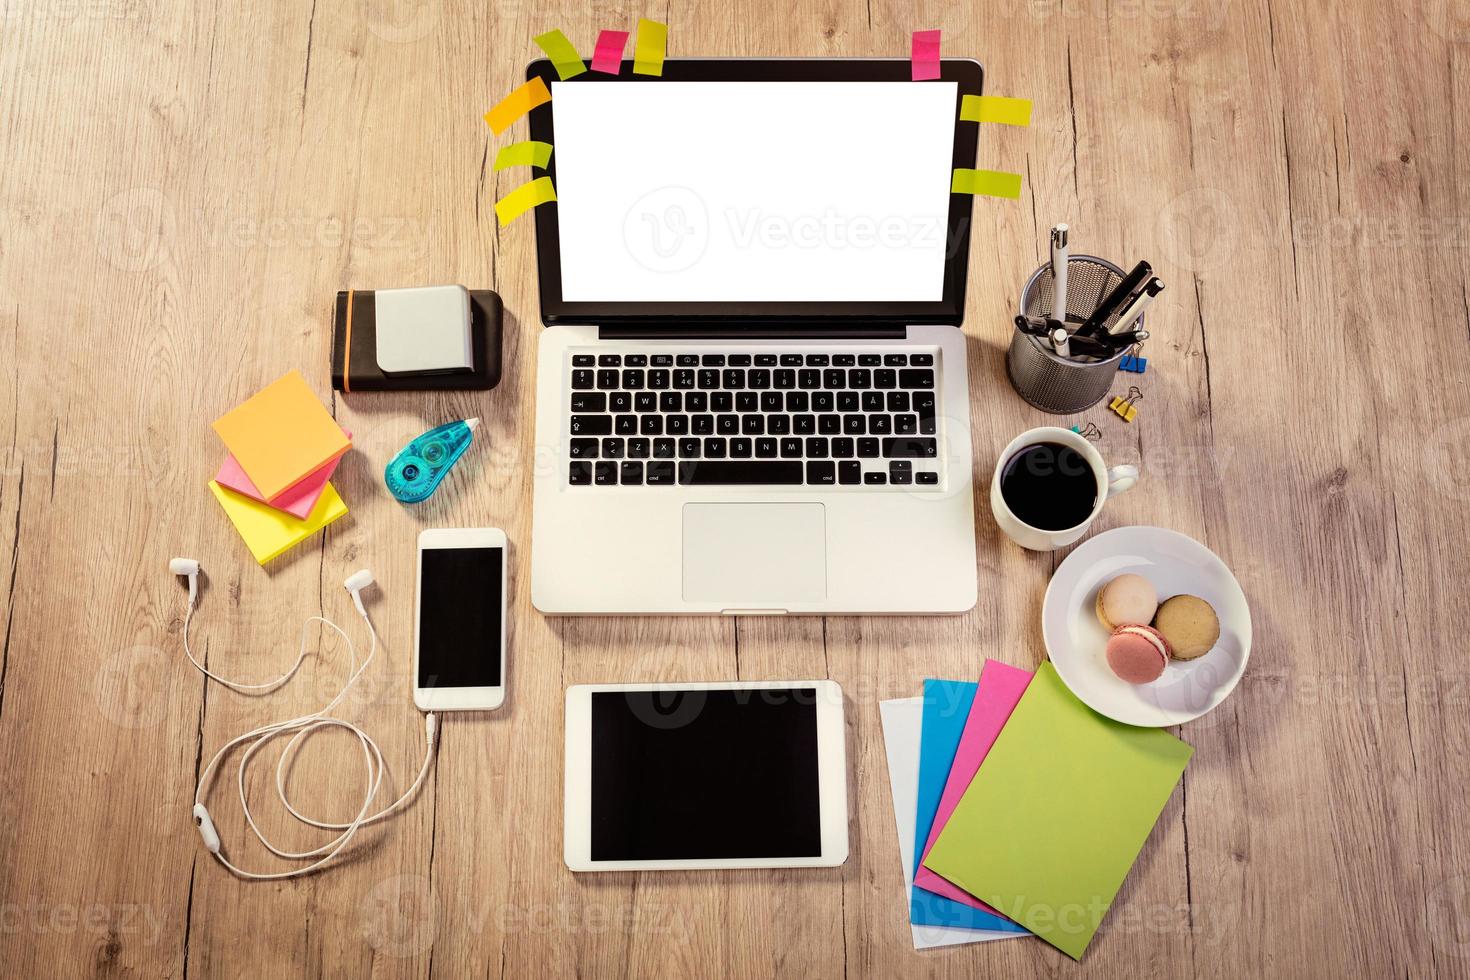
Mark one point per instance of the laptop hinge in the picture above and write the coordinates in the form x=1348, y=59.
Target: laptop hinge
x=716, y=331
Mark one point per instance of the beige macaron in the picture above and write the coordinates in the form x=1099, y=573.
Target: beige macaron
x=1189, y=624
x=1128, y=600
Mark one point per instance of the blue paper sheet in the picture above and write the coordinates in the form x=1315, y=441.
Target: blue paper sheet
x=946, y=706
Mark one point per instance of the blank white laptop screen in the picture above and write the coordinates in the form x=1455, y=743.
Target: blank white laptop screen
x=753, y=191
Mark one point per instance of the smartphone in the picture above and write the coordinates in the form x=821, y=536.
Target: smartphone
x=459, y=620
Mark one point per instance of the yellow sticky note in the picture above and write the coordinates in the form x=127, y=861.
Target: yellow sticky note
x=531, y=153
x=524, y=198
x=517, y=104
x=995, y=109
x=649, y=49
x=266, y=531
x=568, y=62
x=281, y=434
x=988, y=183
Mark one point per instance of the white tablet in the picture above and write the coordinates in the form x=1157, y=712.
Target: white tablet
x=733, y=774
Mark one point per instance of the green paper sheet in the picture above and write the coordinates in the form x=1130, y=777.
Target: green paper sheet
x=1057, y=813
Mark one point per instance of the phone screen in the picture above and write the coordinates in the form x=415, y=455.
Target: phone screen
x=460, y=605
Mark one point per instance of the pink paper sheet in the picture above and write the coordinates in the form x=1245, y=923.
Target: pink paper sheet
x=997, y=695
x=297, y=500
x=608, y=56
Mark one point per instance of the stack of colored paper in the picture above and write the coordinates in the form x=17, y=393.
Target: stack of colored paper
x=274, y=484
x=1029, y=807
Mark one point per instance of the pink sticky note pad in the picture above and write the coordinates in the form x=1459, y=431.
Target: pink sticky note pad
x=607, y=57
x=996, y=696
x=925, y=55
x=297, y=500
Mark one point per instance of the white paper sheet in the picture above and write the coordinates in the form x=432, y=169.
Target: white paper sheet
x=902, y=724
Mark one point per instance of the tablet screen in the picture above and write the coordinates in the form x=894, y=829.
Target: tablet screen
x=705, y=774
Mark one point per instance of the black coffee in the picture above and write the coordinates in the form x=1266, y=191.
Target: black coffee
x=1050, y=486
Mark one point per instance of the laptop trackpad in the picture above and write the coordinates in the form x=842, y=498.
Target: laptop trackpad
x=742, y=555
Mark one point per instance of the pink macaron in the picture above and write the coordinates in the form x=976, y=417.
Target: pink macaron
x=1138, y=654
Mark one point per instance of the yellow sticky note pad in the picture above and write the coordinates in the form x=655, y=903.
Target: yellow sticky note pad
x=649, y=49
x=517, y=104
x=266, y=531
x=524, y=198
x=987, y=183
x=995, y=109
x=281, y=434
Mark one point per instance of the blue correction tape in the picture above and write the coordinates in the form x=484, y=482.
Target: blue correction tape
x=415, y=473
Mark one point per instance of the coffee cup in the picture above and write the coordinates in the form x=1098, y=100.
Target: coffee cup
x=1049, y=486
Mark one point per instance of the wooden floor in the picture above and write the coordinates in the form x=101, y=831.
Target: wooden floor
x=185, y=186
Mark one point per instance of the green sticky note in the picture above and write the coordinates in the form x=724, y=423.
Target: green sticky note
x=531, y=153
x=1057, y=814
x=988, y=183
x=558, y=48
x=996, y=109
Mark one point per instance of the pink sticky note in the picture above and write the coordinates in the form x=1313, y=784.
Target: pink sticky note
x=996, y=696
x=925, y=55
x=607, y=57
x=297, y=500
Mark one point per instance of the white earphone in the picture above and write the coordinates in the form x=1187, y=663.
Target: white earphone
x=302, y=726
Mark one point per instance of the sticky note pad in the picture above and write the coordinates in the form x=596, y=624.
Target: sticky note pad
x=297, y=501
x=524, y=198
x=531, y=153
x=607, y=57
x=996, y=109
x=266, y=531
x=558, y=48
x=281, y=434
x=517, y=104
x=649, y=47
x=924, y=55
x=987, y=183
x=1057, y=813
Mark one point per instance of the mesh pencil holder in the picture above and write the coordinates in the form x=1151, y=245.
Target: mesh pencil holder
x=1055, y=384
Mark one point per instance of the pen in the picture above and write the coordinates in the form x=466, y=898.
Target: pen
x=1117, y=298
x=1146, y=296
x=1061, y=342
x=1059, y=274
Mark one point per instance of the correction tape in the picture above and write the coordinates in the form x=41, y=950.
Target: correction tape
x=415, y=473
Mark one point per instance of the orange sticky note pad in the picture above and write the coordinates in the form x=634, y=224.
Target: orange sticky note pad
x=281, y=434
x=517, y=104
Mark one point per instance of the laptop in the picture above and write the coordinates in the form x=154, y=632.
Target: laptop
x=751, y=393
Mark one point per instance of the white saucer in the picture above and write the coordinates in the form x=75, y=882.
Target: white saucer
x=1175, y=563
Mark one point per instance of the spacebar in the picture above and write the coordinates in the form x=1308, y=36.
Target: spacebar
x=722, y=472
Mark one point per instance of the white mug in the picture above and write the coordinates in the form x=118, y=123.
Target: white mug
x=1109, y=482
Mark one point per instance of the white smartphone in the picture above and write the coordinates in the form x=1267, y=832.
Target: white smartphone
x=459, y=620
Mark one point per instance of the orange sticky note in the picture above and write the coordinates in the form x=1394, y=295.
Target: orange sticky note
x=517, y=104
x=281, y=434
x=268, y=532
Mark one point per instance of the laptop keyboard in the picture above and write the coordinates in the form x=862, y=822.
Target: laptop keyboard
x=753, y=419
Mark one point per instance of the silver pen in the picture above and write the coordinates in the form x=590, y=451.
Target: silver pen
x=1059, y=274
x=1145, y=296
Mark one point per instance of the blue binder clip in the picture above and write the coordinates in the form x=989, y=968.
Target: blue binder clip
x=1133, y=363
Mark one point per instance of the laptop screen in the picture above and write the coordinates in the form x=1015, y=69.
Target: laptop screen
x=753, y=191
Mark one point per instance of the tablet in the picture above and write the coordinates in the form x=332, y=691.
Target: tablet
x=734, y=774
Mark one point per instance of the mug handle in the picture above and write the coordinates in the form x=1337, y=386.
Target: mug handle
x=1121, y=478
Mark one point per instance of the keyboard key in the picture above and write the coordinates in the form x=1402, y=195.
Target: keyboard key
x=683, y=379
x=715, y=448
x=772, y=401
x=612, y=448
x=658, y=379
x=778, y=425
x=810, y=379
x=713, y=360
x=816, y=448
x=821, y=474
x=688, y=360
x=709, y=378
x=633, y=379
x=583, y=360
x=740, y=448
x=921, y=360
x=927, y=477
x=747, y=401
x=885, y=378
x=854, y=425
x=626, y=425
x=848, y=401
x=605, y=474
x=765, y=360
x=766, y=448
x=661, y=360
x=638, y=448
x=659, y=473
x=843, y=360
x=849, y=472
x=880, y=425
x=734, y=378
x=790, y=448
x=875, y=479
x=872, y=401
x=834, y=378
x=822, y=401
x=589, y=401
x=895, y=360
x=867, y=448
x=796, y=401
x=664, y=449
x=803, y=425
x=582, y=380
x=645, y=401
x=740, y=473
x=870, y=360
x=898, y=401
x=924, y=405
x=783, y=378
x=651, y=425
x=591, y=425
x=729, y=425
x=631, y=473
x=702, y=425
x=670, y=401
x=584, y=449
x=791, y=360
x=860, y=378
x=609, y=360
x=753, y=425
x=910, y=447
x=758, y=378
x=635, y=360
x=842, y=447
x=816, y=360
x=607, y=379
x=916, y=378
x=738, y=360
x=676, y=425
x=829, y=425
x=689, y=448
x=580, y=474
x=696, y=401
x=721, y=401
x=906, y=425
x=620, y=401
x=897, y=466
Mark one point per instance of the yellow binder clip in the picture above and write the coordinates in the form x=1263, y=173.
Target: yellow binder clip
x=1123, y=407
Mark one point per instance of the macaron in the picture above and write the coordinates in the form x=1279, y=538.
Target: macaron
x=1128, y=600
x=1189, y=624
x=1137, y=654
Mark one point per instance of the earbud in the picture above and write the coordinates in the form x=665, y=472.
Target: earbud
x=355, y=583
x=189, y=567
